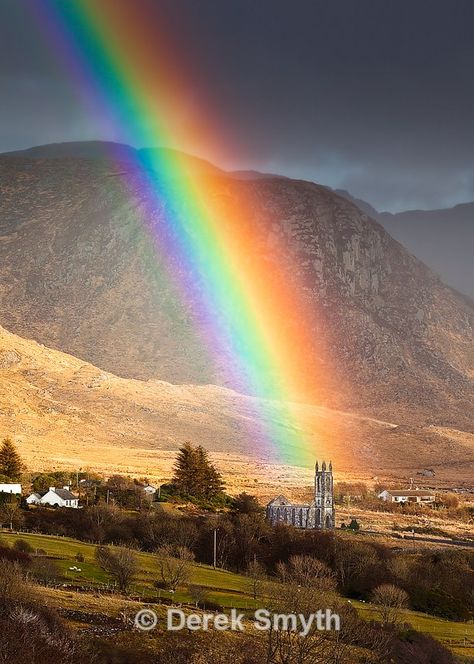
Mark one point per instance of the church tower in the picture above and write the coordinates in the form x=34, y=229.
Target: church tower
x=324, y=496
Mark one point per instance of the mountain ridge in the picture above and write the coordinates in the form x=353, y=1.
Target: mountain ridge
x=77, y=274
x=442, y=238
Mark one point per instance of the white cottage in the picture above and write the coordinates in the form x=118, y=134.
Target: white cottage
x=33, y=499
x=10, y=488
x=408, y=496
x=60, y=497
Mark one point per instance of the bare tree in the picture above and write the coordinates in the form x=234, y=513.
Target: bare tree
x=120, y=563
x=174, y=565
x=257, y=575
x=390, y=600
x=10, y=513
x=308, y=572
x=353, y=560
x=101, y=517
x=285, y=645
x=45, y=570
x=199, y=594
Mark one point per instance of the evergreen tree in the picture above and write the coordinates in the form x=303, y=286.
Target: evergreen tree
x=183, y=479
x=195, y=475
x=11, y=464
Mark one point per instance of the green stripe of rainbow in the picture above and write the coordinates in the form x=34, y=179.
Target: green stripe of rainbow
x=246, y=308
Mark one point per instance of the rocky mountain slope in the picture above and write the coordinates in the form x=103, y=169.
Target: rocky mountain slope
x=65, y=413
x=77, y=273
x=443, y=239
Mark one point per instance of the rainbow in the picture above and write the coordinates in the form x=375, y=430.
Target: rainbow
x=247, y=306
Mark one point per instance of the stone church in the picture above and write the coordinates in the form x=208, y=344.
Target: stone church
x=319, y=513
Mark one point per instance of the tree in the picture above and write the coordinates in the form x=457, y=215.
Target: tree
x=390, y=599
x=245, y=503
x=354, y=525
x=11, y=464
x=10, y=512
x=174, y=564
x=42, y=482
x=45, y=570
x=120, y=563
x=285, y=645
x=195, y=475
x=256, y=572
x=198, y=594
x=307, y=572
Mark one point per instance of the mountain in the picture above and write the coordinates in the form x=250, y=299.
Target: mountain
x=78, y=150
x=253, y=175
x=65, y=413
x=443, y=239
x=115, y=153
x=78, y=273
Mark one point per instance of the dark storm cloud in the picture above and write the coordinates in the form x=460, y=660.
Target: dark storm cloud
x=374, y=96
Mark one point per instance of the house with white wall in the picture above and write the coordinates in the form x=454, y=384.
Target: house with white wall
x=408, y=496
x=33, y=499
x=55, y=497
x=10, y=488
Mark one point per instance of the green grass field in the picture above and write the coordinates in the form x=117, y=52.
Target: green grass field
x=224, y=588
x=459, y=636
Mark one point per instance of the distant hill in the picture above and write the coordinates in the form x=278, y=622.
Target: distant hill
x=113, y=152
x=443, y=239
x=254, y=175
x=78, y=149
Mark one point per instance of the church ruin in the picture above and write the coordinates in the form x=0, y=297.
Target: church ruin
x=319, y=513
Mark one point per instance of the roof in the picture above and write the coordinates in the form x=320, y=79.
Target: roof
x=409, y=492
x=281, y=501
x=34, y=494
x=65, y=494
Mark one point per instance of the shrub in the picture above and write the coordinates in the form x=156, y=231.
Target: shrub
x=45, y=570
x=23, y=546
x=10, y=555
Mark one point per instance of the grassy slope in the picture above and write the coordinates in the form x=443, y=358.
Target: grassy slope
x=226, y=588
x=458, y=636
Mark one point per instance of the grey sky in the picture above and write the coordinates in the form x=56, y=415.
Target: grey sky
x=373, y=96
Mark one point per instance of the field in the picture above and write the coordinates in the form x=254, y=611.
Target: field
x=224, y=588
x=88, y=591
x=458, y=636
